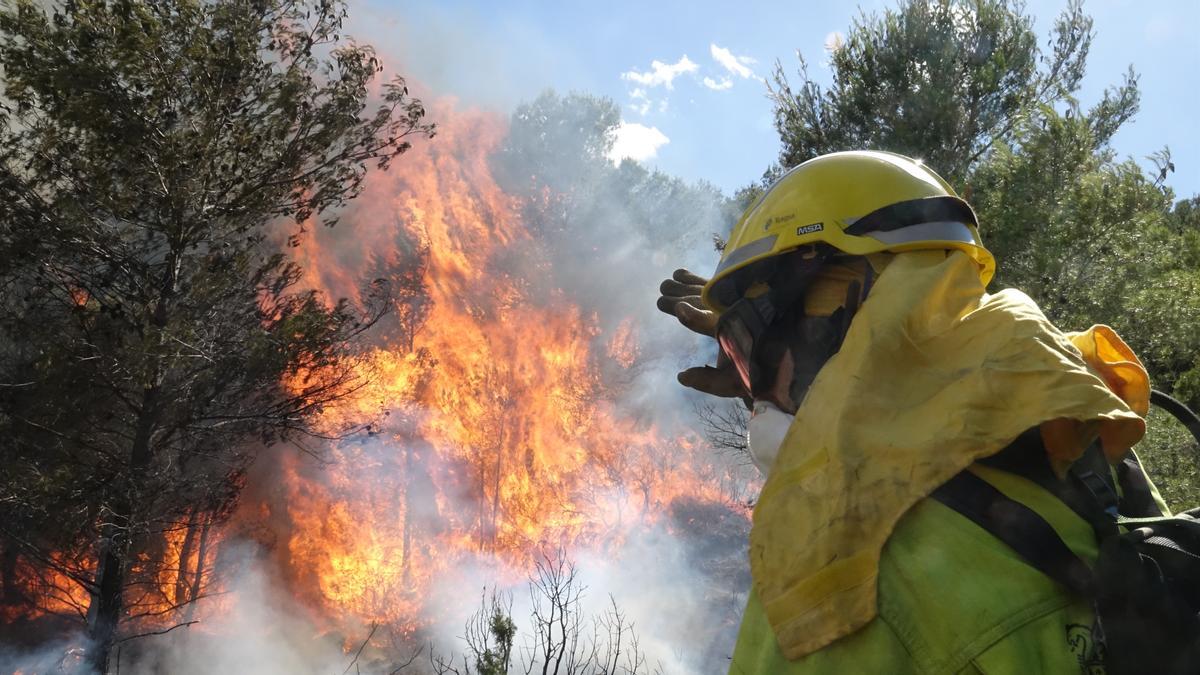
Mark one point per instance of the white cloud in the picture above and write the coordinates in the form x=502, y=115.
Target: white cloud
x=636, y=141
x=737, y=65
x=722, y=85
x=662, y=74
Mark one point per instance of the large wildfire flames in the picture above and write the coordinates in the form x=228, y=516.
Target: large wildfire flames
x=499, y=436
x=496, y=425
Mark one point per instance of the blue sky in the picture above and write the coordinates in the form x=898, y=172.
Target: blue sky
x=706, y=117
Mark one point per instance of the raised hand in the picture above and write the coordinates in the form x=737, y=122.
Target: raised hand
x=680, y=297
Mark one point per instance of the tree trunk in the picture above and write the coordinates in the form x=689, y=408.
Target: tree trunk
x=104, y=614
x=495, y=525
x=482, y=504
x=198, y=577
x=183, y=575
x=12, y=594
x=105, y=611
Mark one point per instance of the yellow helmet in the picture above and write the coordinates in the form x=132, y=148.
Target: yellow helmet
x=856, y=202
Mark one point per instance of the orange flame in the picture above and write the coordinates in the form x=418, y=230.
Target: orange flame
x=493, y=433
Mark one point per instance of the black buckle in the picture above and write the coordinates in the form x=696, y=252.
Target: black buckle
x=1100, y=490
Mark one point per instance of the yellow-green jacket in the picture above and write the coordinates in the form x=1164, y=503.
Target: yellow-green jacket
x=954, y=599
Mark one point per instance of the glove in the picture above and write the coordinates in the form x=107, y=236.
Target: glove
x=681, y=298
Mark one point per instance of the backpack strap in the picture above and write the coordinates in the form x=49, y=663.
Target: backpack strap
x=1092, y=480
x=1018, y=526
x=1090, y=489
x=1091, y=485
x=1178, y=410
x=1137, y=497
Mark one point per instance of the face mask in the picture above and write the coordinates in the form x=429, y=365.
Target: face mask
x=765, y=431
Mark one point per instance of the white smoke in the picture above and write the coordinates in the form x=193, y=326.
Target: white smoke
x=650, y=581
x=264, y=632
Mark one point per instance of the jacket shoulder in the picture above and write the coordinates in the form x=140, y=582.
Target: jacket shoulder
x=954, y=594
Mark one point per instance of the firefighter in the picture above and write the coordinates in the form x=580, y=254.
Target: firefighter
x=851, y=314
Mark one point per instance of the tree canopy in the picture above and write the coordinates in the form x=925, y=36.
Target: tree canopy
x=939, y=80
x=152, y=156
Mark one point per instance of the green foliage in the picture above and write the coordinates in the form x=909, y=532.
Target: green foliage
x=1172, y=458
x=1092, y=239
x=151, y=154
x=556, y=157
x=558, y=143
x=496, y=658
x=937, y=80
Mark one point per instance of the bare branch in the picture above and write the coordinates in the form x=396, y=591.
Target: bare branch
x=157, y=632
x=374, y=627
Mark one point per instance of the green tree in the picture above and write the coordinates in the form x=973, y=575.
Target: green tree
x=1169, y=453
x=1095, y=240
x=1088, y=236
x=937, y=80
x=148, y=152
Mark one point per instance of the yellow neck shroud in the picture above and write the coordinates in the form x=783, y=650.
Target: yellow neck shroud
x=934, y=374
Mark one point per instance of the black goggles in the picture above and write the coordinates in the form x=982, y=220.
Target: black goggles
x=739, y=330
